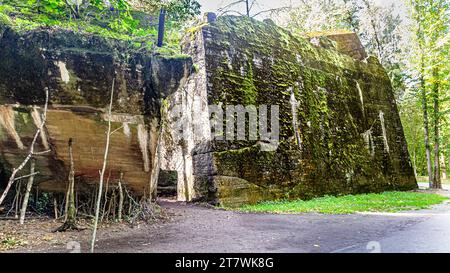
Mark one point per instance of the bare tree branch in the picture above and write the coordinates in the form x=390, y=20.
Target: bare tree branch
x=12, y=178
x=249, y=6
x=271, y=11
x=26, y=176
x=231, y=11
x=102, y=173
x=42, y=153
x=23, y=210
x=121, y=127
x=224, y=8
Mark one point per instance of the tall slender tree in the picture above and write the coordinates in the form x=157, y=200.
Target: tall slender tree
x=431, y=21
x=436, y=120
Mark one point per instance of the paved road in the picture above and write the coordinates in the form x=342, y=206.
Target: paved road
x=199, y=229
x=426, y=186
x=430, y=235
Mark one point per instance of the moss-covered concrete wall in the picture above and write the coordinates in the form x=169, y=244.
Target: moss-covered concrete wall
x=340, y=131
x=78, y=69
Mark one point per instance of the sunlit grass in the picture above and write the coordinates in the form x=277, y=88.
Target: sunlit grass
x=383, y=202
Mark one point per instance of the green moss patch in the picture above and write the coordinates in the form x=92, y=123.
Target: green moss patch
x=25, y=19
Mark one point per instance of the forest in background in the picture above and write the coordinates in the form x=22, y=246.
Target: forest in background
x=411, y=39
x=134, y=22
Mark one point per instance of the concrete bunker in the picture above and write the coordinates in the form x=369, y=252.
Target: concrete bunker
x=340, y=131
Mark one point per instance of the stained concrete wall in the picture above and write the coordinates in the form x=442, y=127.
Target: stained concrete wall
x=78, y=69
x=340, y=130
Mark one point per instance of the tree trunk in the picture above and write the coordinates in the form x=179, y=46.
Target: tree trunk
x=66, y=204
x=437, y=166
x=414, y=163
x=17, y=199
x=71, y=211
x=247, y=8
x=119, y=213
x=55, y=207
x=105, y=202
x=425, y=125
x=102, y=172
x=71, y=214
x=27, y=192
x=185, y=178
x=443, y=168
x=375, y=32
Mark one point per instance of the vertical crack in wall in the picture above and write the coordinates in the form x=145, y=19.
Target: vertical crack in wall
x=294, y=108
x=126, y=129
x=8, y=123
x=155, y=142
x=383, y=127
x=368, y=139
x=143, y=144
x=65, y=75
x=361, y=97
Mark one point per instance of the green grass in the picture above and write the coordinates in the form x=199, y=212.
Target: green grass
x=384, y=202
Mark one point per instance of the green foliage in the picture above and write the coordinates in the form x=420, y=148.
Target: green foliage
x=10, y=242
x=384, y=202
x=4, y=19
x=429, y=67
x=42, y=203
x=183, y=10
x=318, y=15
x=53, y=7
x=413, y=129
x=110, y=19
x=116, y=13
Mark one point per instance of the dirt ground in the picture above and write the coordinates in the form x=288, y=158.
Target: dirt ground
x=195, y=228
x=37, y=234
